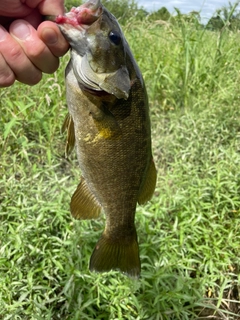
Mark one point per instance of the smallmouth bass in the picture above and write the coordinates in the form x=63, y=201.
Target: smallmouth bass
x=109, y=124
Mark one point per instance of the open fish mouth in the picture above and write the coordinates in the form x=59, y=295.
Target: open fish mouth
x=82, y=16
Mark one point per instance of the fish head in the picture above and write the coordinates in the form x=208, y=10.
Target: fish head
x=98, y=48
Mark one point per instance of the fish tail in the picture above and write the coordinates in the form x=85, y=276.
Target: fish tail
x=121, y=254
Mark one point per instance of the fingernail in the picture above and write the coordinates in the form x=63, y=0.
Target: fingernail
x=49, y=36
x=3, y=34
x=20, y=30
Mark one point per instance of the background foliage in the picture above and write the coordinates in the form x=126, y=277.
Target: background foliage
x=125, y=10
x=189, y=233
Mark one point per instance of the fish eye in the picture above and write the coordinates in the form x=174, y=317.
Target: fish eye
x=114, y=37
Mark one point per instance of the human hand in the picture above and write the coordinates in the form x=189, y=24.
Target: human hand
x=28, y=46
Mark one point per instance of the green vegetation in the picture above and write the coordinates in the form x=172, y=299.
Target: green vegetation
x=124, y=10
x=189, y=233
x=227, y=17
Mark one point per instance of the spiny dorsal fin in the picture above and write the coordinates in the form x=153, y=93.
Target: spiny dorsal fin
x=68, y=125
x=116, y=254
x=83, y=204
x=149, y=184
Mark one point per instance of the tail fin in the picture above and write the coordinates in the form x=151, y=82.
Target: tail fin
x=116, y=255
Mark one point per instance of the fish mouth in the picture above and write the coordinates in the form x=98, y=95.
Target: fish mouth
x=82, y=16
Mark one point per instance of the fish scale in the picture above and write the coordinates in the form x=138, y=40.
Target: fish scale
x=110, y=126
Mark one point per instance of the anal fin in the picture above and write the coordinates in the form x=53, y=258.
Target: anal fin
x=83, y=204
x=149, y=184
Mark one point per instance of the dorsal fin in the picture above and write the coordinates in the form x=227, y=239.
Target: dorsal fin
x=68, y=125
x=149, y=184
x=83, y=204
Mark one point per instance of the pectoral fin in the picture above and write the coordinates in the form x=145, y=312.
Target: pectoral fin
x=69, y=126
x=83, y=204
x=148, y=187
x=106, y=124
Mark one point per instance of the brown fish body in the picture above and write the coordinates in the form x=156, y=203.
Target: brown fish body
x=113, y=140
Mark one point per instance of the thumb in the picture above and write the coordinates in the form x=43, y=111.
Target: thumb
x=51, y=35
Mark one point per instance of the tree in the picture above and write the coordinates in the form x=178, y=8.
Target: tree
x=228, y=17
x=192, y=18
x=215, y=22
x=161, y=14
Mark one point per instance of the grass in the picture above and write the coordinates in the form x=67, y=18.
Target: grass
x=189, y=233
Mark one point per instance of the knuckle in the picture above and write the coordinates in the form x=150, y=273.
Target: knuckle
x=7, y=76
x=35, y=51
x=15, y=53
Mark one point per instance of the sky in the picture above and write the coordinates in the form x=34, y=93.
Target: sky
x=207, y=7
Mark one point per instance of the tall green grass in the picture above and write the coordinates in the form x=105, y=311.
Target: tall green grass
x=189, y=233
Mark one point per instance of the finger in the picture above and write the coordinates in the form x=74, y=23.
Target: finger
x=34, y=18
x=34, y=48
x=17, y=60
x=32, y=3
x=15, y=9
x=7, y=77
x=53, y=38
x=47, y=7
x=51, y=7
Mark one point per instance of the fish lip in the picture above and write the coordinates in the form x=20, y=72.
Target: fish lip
x=83, y=16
